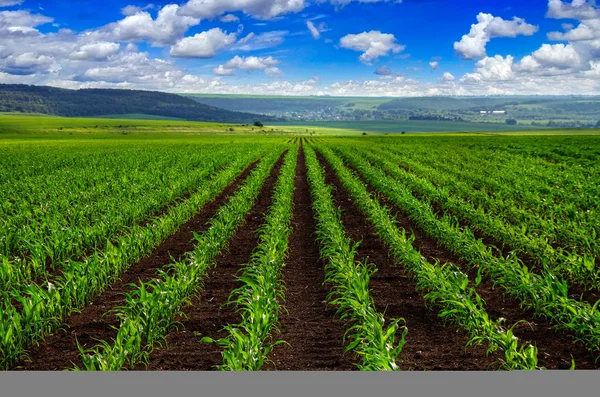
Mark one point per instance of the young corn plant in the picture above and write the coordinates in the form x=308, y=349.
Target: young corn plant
x=248, y=344
x=446, y=286
x=149, y=311
x=376, y=343
x=81, y=281
x=578, y=268
x=545, y=293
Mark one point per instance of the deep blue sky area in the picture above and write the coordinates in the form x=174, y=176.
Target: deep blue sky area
x=382, y=46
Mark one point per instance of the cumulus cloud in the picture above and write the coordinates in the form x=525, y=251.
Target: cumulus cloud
x=434, y=65
x=262, y=9
x=447, y=76
x=577, y=9
x=22, y=19
x=133, y=68
x=341, y=3
x=373, y=45
x=167, y=28
x=203, y=45
x=472, y=45
x=557, y=55
x=96, y=51
x=28, y=63
x=248, y=64
x=132, y=10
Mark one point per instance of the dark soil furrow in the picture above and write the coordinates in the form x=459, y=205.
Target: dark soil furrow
x=208, y=312
x=314, y=336
x=555, y=347
x=60, y=351
x=430, y=345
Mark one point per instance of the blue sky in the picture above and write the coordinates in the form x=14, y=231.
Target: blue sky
x=305, y=47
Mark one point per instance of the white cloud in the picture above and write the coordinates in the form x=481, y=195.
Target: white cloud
x=434, y=65
x=385, y=71
x=8, y=3
x=22, y=19
x=314, y=31
x=203, y=45
x=133, y=69
x=28, y=63
x=495, y=68
x=229, y=18
x=248, y=64
x=557, y=55
x=373, y=44
x=472, y=45
x=253, y=42
x=447, y=76
x=132, y=10
x=262, y=9
x=341, y=3
x=577, y=9
x=96, y=51
x=167, y=28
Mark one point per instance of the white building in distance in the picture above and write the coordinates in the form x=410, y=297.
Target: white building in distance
x=499, y=112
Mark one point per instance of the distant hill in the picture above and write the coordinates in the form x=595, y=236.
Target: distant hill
x=380, y=108
x=105, y=102
x=269, y=104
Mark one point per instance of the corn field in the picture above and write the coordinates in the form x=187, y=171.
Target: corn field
x=293, y=253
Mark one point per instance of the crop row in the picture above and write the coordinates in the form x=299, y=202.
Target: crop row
x=69, y=214
x=579, y=268
x=546, y=293
x=248, y=344
x=370, y=339
x=150, y=310
x=558, y=203
x=446, y=286
x=42, y=308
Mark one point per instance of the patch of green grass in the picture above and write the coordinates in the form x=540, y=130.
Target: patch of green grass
x=11, y=123
x=137, y=116
x=397, y=127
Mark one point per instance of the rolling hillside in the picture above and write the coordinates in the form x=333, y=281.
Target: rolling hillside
x=102, y=102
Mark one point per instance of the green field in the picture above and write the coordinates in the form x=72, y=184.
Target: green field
x=12, y=123
x=474, y=237
x=397, y=127
x=138, y=116
x=42, y=125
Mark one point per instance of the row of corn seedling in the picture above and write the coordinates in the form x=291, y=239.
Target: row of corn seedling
x=446, y=286
x=546, y=293
x=248, y=344
x=579, y=268
x=149, y=311
x=42, y=308
x=59, y=224
x=374, y=342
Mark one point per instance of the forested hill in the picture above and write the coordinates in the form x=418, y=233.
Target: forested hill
x=101, y=102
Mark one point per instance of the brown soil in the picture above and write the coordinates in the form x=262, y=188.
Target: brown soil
x=314, y=336
x=208, y=312
x=555, y=348
x=430, y=345
x=60, y=351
